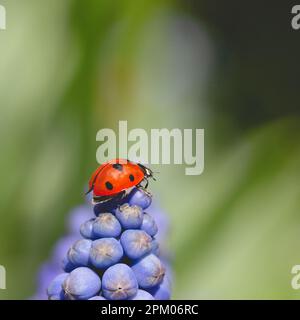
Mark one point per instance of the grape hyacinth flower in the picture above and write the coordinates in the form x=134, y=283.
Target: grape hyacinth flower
x=117, y=256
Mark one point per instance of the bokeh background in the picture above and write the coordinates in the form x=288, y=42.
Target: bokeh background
x=69, y=68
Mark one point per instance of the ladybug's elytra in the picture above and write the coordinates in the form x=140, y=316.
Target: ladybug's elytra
x=114, y=177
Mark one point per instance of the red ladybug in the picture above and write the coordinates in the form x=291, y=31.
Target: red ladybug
x=112, y=179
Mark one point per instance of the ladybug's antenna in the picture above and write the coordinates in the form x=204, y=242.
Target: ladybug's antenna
x=90, y=190
x=152, y=176
x=92, y=186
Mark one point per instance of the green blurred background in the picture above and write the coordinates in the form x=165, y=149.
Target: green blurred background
x=69, y=68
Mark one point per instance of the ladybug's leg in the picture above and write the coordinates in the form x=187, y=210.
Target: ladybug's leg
x=139, y=186
x=121, y=195
x=146, y=185
x=116, y=197
x=98, y=199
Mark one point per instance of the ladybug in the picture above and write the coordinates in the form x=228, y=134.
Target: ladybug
x=113, y=178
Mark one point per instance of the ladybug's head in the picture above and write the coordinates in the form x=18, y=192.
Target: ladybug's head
x=147, y=171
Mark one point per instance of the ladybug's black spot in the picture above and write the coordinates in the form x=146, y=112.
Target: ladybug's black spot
x=108, y=185
x=131, y=177
x=118, y=166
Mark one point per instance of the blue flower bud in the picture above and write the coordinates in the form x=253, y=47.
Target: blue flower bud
x=97, y=298
x=86, y=229
x=81, y=284
x=155, y=247
x=162, y=291
x=105, y=252
x=55, y=290
x=136, y=243
x=62, y=247
x=149, y=271
x=130, y=217
x=119, y=283
x=67, y=265
x=149, y=225
x=139, y=197
x=161, y=220
x=79, y=253
x=142, y=295
x=106, y=225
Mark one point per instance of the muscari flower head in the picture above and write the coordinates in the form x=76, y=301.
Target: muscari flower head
x=114, y=255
